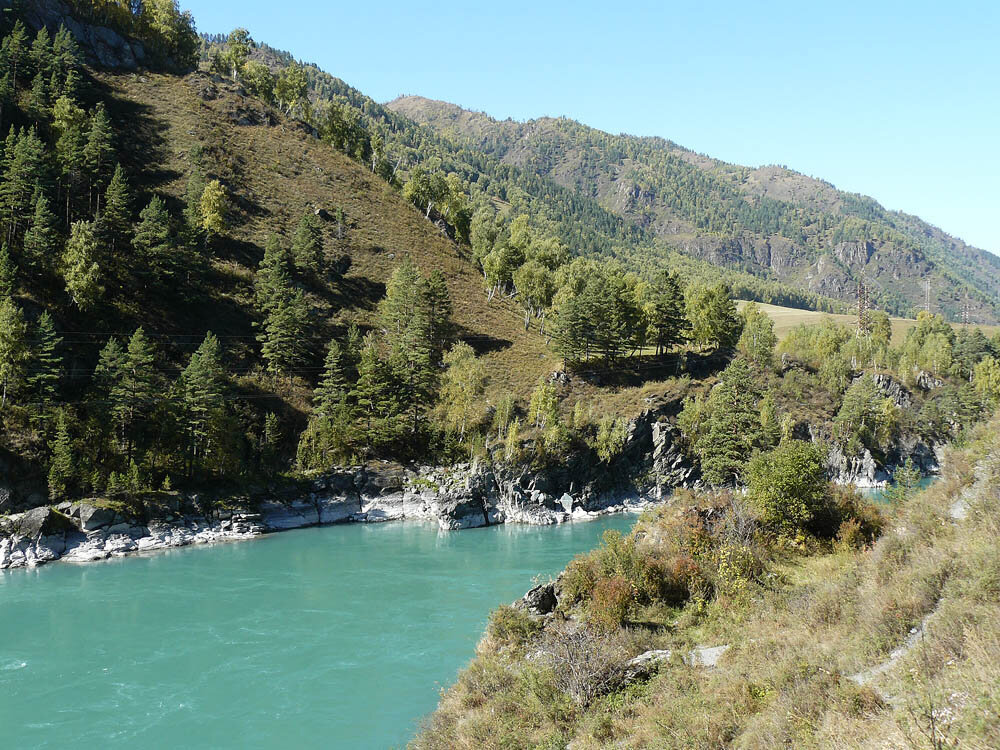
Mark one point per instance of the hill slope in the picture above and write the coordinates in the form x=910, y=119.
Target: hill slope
x=765, y=220
x=275, y=170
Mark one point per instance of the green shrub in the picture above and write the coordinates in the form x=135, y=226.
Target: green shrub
x=788, y=486
x=512, y=627
x=737, y=567
x=579, y=579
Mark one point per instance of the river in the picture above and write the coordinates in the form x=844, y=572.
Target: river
x=340, y=636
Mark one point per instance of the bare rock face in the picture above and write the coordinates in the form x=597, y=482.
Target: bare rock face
x=861, y=470
x=541, y=600
x=892, y=388
x=102, y=46
x=91, y=517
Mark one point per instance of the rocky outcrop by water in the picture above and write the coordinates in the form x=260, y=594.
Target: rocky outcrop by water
x=458, y=497
x=647, y=469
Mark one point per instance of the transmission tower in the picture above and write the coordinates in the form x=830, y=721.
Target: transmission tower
x=927, y=295
x=864, y=322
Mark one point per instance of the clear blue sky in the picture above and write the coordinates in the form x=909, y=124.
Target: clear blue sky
x=897, y=100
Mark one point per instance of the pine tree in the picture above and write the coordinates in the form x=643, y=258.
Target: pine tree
x=109, y=376
x=403, y=314
x=307, y=245
x=140, y=375
x=13, y=348
x=734, y=425
x=273, y=274
x=45, y=362
x=202, y=385
x=70, y=122
x=62, y=465
x=327, y=439
x=334, y=384
x=25, y=169
x=439, y=310
x=80, y=268
x=6, y=97
x=375, y=394
x=284, y=339
x=668, y=321
x=115, y=219
x=65, y=52
x=402, y=298
x=16, y=46
x=769, y=424
x=352, y=351
x=38, y=99
x=8, y=273
x=41, y=52
x=152, y=240
x=99, y=151
x=41, y=241
x=270, y=444
x=569, y=329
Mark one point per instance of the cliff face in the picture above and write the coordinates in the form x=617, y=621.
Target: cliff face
x=101, y=46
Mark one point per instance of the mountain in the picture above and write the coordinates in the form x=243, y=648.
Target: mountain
x=767, y=221
x=164, y=272
x=588, y=228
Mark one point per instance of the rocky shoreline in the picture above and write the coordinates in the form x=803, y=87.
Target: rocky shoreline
x=647, y=469
x=457, y=498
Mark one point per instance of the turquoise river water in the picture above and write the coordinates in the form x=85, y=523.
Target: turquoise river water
x=338, y=637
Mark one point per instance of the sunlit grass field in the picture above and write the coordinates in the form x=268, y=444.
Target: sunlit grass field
x=787, y=318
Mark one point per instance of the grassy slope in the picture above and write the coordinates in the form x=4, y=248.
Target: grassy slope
x=794, y=646
x=275, y=173
x=787, y=318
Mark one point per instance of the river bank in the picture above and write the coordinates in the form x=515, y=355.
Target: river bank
x=460, y=497
x=649, y=466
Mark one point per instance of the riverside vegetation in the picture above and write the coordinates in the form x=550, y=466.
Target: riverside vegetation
x=170, y=319
x=225, y=275
x=796, y=615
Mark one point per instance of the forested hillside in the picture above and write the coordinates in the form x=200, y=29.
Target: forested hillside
x=766, y=220
x=178, y=258
x=394, y=145
x=227, y=268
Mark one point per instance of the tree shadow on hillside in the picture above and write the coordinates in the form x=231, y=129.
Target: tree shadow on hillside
x=355, y=293
x=637, y=371
x=140, y=138
x=482, y=343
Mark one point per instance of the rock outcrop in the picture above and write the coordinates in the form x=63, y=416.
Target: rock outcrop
x=101, y=46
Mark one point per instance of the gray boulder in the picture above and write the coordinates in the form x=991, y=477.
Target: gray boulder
x=93, y=518
x=541, y=600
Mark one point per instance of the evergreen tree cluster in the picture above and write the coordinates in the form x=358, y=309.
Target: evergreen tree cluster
x=399, y=385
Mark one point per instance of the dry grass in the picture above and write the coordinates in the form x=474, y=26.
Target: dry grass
x=787, y=318
x=275, y=173
x=795, y=642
